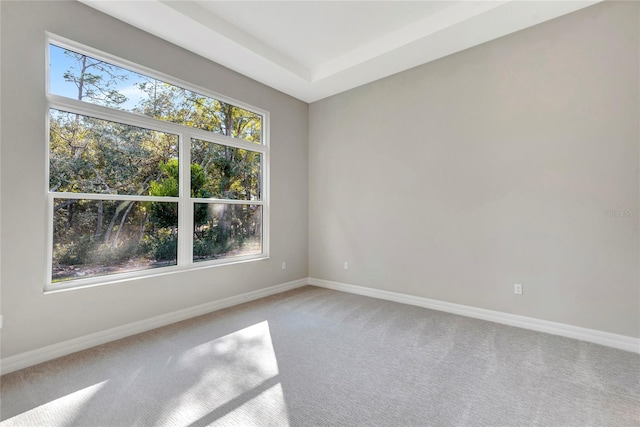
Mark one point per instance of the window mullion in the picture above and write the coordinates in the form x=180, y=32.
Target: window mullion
x=107, y=196
x=229, y=141
x=185, y=206
x=101, y=112
x=228, y=201
x=265, y=186
x=49, y=247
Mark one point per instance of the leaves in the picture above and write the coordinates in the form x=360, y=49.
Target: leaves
x=90, y=155
x=98, y=88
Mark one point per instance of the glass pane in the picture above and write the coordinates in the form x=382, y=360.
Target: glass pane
x=84, y=78
x=224, y=172
x=100, y=237
x=89, y=155
x=224, y=231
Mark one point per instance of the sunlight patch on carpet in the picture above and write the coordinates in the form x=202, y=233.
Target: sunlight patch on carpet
x=241, y=381
x=59, y=410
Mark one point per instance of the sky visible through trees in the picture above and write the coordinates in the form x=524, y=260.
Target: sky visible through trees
x=61, y=62
x=94, y=236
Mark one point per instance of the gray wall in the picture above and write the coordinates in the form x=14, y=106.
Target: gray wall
x=33, y=319
x=490, y=167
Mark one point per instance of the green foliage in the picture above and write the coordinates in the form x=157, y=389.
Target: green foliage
x=164, y=247
x=74, y=253
x=204, y=244
x=97, y=156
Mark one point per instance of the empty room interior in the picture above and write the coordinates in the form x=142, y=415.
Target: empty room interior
x=319, y=213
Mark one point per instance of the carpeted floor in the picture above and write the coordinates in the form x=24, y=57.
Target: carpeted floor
x=316, y=357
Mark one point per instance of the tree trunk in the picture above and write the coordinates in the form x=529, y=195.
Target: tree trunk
x=69, y=218
x=78, y=149
x=142, y=229
x=112, y=224
x=228, y=119
x=124, y=218
x=98, y=233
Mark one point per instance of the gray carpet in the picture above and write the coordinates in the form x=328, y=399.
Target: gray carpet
x=316, y=357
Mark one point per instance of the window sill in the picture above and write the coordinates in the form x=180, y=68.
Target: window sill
x=74, y=284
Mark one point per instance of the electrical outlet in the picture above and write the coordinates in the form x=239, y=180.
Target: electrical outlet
x=284, y=265
x=517, y=289
x=346, y=265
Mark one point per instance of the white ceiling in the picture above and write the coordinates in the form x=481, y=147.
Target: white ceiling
x=314, y=49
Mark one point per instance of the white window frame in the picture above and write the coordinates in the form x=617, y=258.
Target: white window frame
x=185, y=202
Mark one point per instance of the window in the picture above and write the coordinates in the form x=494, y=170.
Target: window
x=147, y=172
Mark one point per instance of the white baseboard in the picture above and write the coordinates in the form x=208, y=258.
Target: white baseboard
x=33, y=357
x=591, y=335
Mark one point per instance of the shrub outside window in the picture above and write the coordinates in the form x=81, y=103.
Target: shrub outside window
x=147, y=172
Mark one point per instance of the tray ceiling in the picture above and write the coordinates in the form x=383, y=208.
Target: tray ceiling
x=315, y=49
